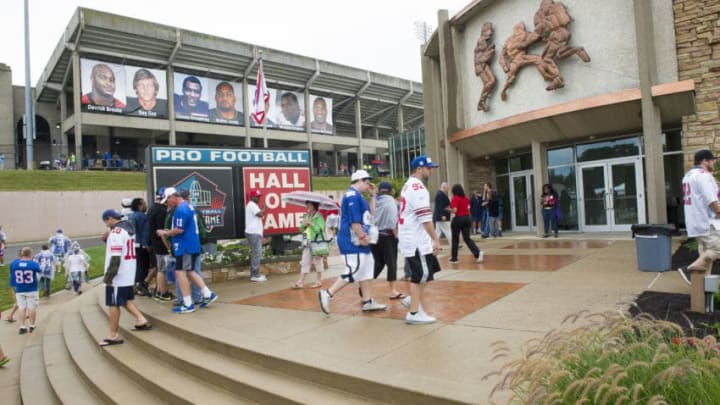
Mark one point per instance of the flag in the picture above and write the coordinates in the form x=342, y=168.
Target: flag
x=262, y=96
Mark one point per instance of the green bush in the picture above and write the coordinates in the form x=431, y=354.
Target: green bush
x=613, y=360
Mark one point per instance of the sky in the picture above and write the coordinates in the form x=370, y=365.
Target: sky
x=377, y=35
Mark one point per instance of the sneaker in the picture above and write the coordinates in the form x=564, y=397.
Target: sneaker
x=480, y=257
x=165, y=297
x=5, y=360
x=258, y=279
x=685, y=274
x=142, y=289
x=31, y=328
x=453, y=262
x=373, y=306
x=209, y=300
x=184, y=309
x=22, y=331
x=406, y=302
x=324, y=298
x=420, y=318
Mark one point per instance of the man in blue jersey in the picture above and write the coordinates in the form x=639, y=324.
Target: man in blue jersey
x=354, y=243
x=185, y=244
x=24, y=279
x=59, y=244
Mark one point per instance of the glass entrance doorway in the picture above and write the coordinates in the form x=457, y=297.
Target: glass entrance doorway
x=611, y=195
x=522, y=201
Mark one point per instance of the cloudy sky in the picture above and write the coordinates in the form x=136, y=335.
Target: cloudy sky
x=377, y=35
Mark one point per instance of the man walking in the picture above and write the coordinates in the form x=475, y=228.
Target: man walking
x=119, y=275
x=160, y=247
x=254, y=234
x=24, y=274
x=185, y=247
x=441, y=213
x=385, y=250
x=418, y=241
x=702, y=212
x=354, y=244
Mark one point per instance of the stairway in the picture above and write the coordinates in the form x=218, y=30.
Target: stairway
x=184, y=359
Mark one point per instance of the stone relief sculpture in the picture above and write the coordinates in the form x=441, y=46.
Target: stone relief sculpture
x=514, y=54
x=551, y=22
x=484, y=53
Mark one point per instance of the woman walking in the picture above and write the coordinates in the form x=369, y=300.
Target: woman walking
x=460, y=206
x=312, y=228
x=549, y=200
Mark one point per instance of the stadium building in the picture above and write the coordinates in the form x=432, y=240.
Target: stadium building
x=115, y=84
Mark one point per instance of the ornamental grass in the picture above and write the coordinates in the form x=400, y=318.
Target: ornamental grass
x=612, y=359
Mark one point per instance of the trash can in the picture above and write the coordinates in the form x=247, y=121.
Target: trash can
x=653, y=246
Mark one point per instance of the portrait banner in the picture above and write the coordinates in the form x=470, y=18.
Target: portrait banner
x=191, y=97
x=226, y=102
x=290, y=110
x=321, y=110
x=147, y=92
x=103, y=87
x=270, y=109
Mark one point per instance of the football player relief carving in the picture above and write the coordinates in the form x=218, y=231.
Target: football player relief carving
x=551, y=23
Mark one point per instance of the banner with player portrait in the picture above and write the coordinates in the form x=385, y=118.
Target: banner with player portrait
x=321, y=112
x=123, y=89
x=226, y=102
x=191, y=97
x=290, y=110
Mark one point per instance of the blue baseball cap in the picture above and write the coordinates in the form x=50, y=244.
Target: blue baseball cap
x=160, y=193
x=111, y=213
x=423, y=161
x=385, y=186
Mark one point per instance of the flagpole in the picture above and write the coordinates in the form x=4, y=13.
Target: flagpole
x=29, y=114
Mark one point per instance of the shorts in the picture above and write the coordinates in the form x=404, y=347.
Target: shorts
x=711, y=243
x=29, y=300
x=358, y=267
x=118, y=296
x=422, y=267
x=185, y=262
x=162, y=262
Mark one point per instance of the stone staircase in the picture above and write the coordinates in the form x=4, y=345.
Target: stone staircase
x=188, y=359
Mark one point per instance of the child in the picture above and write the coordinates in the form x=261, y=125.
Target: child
x=46, y=260
x=76, y=266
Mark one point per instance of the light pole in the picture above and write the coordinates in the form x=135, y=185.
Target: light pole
x=29, y=113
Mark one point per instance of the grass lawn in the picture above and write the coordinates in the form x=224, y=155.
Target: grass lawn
x=54, y=180
x=97, y=260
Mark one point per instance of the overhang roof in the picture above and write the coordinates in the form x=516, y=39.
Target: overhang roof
x=607, y=114
x=122, y=39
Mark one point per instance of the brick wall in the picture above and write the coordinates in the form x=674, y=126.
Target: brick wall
x=697, y=31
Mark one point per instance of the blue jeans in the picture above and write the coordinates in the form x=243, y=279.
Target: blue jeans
x=45, y=285
x=549, y=218
x=255, y=253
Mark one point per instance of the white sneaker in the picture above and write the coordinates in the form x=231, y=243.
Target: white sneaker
x=420, y=318
x=258, y=279
x=373, y=306
x=480, y=257
x=324, y=298
x=406, y=302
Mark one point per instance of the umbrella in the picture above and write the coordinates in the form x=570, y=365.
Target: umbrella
x=301, y=197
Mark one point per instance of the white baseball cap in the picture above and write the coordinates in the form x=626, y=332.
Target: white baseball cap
x=359, y=175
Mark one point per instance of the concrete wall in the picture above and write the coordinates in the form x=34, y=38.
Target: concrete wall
x=7, y=134
x=605, y=29
x=31, y=216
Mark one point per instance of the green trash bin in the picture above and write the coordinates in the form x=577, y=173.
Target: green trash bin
x=653, y=244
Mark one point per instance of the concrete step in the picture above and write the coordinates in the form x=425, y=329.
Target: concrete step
x=35, y=386
x=246, y=380
x=168, y=381
x=351, y=381
x=97, y=368
x=65, y=379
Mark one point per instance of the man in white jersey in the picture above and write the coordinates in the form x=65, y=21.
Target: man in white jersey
x=419, y=243
x=120, y=275
x=702, y=211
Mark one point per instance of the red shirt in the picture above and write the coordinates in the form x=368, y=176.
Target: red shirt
x=461, y=204
x=325, y=213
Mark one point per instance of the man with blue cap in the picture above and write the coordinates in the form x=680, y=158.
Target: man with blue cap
x=419, y=242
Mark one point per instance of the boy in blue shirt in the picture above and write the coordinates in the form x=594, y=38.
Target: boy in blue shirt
x=24, y=273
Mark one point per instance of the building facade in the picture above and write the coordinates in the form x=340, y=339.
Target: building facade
x=605, y=101
x=115, y=84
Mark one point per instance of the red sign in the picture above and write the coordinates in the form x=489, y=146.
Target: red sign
x=273, y=182
x=377, y=162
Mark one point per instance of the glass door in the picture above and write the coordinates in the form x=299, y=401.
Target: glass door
x=610, y=198
x=522, y=201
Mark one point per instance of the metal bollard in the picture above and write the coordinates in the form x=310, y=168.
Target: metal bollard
x=711, y=287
